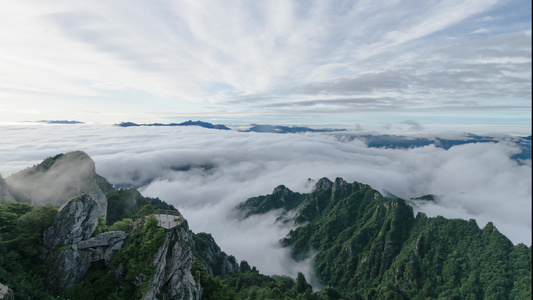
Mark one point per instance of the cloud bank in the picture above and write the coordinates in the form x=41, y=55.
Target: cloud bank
x=205, y=173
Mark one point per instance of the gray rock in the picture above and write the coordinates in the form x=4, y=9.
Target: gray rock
x=69, y=267
x=6, y=293
x=107, y=239
x=104, y=245
x=173, y=262
x=75, y=221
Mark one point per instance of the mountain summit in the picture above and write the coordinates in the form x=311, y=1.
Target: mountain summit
x=58, y=179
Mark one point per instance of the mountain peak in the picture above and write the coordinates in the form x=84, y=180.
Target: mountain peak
x=58, y=179
x=322, y=184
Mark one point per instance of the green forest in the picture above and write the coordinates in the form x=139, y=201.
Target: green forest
x=363, y=246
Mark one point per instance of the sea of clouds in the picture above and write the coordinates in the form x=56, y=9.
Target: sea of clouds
x=205, y=173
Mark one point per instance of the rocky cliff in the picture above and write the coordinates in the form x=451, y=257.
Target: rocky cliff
x=146, y=262
x=58, y=179
x=75, y=221
x=173, y=262
x=71, y=249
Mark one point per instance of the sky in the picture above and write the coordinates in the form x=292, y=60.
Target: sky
x=462, y=64
x=205, y=173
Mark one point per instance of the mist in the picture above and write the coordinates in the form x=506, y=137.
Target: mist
x=206, y=173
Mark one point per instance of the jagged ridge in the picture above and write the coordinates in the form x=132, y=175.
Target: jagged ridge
x=368, y=246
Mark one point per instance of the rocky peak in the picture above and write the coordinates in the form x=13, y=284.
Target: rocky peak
x=279, y=188
x=339, y=184
x=285, y=193
x=323, y=184
x=57, y=179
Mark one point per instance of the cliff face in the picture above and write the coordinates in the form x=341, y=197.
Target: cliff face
x=58, y=179
x=173, y=262
x=72, y=250
x=148, y=262
x=75, y=221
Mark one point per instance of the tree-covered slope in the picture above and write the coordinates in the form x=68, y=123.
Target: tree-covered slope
x=125, y=203
x=369, y=247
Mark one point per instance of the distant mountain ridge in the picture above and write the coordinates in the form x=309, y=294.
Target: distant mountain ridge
x=406, y=142
x=371, y=140
x=287, y=129
x=60, y=122
x=188, y=123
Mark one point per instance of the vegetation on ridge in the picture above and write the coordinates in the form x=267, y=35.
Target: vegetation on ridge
x=21, y=246
x=369, y=247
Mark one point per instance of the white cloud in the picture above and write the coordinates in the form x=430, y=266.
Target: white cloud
x=205, y=173
x=180, y=56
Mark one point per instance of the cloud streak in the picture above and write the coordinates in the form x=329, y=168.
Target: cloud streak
x=205, y=173
x=245, y=58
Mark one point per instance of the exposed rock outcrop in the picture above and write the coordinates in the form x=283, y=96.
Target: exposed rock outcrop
x=57, y=179
x=75, y=221
x=103, y=239
x=322, y=184
x=68, y=267
x=70, y=264
x=6, y=293
x=173, y=262
x=104, y=245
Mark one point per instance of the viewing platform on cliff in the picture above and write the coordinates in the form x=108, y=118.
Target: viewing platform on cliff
x=168, y=219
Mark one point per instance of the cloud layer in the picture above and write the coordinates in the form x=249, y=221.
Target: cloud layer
x=205, y=173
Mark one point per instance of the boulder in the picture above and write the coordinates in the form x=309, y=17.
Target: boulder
x=6, y=293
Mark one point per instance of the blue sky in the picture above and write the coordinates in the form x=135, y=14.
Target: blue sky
x=449, y=64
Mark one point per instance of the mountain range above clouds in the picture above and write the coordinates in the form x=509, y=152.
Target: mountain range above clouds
x=375, y=140
x=360, y=245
